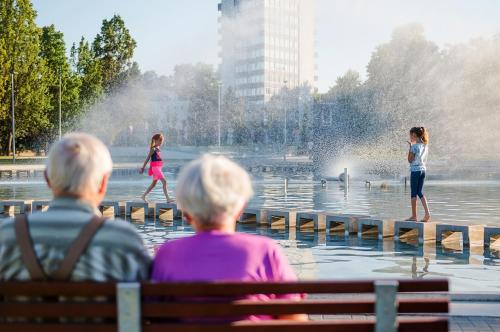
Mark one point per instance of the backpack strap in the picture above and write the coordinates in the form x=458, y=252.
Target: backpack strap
x=77, y=248
x=25, y=243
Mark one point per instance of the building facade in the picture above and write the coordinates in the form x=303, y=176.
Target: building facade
x=266, y=45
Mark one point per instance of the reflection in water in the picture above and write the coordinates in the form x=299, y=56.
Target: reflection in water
x=425, y=270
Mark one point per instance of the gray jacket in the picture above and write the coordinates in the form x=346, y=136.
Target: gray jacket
x=116, y=252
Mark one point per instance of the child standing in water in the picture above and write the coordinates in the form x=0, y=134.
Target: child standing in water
x=155, y=167
x=417, y=157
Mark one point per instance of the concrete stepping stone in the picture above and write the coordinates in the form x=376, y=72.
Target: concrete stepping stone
x=167, y=211
x=422, y=231
x=279, y=218
x=375, y=228
x=309, y=221
x=105, y=206
x=9, y=207
x=253, y=216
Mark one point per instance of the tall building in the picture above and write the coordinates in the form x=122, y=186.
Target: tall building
x=265, y=45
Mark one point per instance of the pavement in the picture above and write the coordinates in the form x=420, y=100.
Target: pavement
x=457, y=323
x=474, y=324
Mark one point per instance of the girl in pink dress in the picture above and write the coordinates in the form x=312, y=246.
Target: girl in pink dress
x=155, y=167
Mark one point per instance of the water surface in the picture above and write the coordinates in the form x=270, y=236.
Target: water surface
x=315, y=257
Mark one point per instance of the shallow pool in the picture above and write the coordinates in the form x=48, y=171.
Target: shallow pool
x=459, y=202
x=315, y=258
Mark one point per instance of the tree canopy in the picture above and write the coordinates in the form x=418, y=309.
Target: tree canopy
x=38, y=60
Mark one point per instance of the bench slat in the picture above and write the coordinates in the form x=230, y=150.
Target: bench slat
x=85, y=289
x=218, y=309
x=313, y=326
x=238, y=289
x=243, y=308
x=429, y=285
x=21, y=327
x=437, y=324
x=281, y=307
x=434, y=324
x=213, y=289
x=58, y=309
x=269, y=326
x=428, y=305
x=405, y=325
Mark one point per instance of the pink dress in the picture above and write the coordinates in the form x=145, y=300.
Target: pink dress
x=156, y=165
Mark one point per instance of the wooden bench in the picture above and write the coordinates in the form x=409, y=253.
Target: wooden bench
x=149, y=307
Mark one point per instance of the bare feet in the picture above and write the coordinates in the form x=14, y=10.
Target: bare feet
x=427, y=218
x=411, y=219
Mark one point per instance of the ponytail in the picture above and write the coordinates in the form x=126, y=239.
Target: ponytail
x=425, y=135
x=421, y=133
x=155, y=138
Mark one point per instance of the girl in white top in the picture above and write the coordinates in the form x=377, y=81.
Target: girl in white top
x=417, y=157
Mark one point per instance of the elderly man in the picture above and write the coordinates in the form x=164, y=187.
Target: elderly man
x=71, y=241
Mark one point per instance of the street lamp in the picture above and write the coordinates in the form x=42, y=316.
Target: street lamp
x=13, y=119
x=60, y=113
x=220, y=97
x=286, y=120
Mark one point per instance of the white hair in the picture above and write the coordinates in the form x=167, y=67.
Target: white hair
x=211, y=188
x=77, y=164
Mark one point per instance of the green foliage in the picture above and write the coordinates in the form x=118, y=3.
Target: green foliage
x=114, y=49
x=60, y=77
x=88, y=70
x=19, y=53
x=43, y=72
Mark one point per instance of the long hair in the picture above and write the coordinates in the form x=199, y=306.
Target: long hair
x=155, y=138
x=421, y=133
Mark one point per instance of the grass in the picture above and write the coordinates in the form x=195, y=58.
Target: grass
x=7, y=160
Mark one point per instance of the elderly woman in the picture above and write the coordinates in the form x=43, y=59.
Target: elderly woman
x=212, y=193
x=71, y=240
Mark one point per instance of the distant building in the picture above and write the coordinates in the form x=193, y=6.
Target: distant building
x=265, y=45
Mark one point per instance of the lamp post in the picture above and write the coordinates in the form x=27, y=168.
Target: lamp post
x=13, y=119
x=220, y=97
x=60, y=112
x=286, y=120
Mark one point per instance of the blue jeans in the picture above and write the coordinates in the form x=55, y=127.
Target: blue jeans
x=417, y=180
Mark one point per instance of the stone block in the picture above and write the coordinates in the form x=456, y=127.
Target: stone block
x=375, y=228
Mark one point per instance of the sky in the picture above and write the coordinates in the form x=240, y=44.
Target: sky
x=170, y=32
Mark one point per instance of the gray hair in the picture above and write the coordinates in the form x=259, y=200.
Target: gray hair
x=77, y=164
x=212, y=187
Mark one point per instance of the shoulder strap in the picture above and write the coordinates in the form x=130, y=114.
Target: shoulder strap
x=77, y=248
x=25, y=243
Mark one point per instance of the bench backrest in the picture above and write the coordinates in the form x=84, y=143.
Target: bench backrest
x=149, y=307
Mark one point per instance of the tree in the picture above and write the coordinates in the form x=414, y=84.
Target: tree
x=88, y=69
x=233, y=118
x=402, y=82
x=197, y=84
x=468, y=100
x=19, y=54
x=114, y=49
x=53, y=50
x=346, y=84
